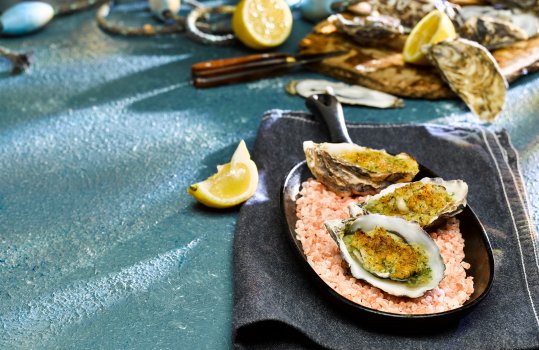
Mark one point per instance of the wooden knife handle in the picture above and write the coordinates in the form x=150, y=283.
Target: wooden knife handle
x=240, y=76
x=248, y=66
x=197, y=68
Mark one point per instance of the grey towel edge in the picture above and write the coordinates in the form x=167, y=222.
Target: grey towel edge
x=516, y=205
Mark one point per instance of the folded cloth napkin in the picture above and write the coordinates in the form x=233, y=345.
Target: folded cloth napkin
x=276, y=304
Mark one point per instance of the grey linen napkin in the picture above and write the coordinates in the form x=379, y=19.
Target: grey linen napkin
x=277, y=305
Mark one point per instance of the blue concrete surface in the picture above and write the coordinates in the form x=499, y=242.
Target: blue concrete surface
x=100, y=245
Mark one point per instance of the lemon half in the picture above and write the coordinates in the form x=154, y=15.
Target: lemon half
x=234, y=182
x=262, y=24
x=431, y=29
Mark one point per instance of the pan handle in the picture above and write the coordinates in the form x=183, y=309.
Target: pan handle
x=327, y=109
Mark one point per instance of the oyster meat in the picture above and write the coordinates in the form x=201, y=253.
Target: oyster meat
x=472, y=73
x=427, y=201
x=348, y=94
x=389, y=253
x=347, y=168
x=370, y=30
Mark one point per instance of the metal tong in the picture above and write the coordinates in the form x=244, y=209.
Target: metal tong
x=247, y=68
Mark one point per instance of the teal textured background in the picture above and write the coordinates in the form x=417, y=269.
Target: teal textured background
x=100, y=245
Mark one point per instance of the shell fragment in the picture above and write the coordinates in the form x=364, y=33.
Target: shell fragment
x=347, y=94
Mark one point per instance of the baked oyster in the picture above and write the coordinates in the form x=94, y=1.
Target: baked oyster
x=347, y=168
x=389, y=253
x=427, y=201
x=472, y=73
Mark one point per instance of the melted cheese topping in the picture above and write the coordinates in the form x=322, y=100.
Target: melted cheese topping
x=416, y=201
x=387, y=255
x=380, y=162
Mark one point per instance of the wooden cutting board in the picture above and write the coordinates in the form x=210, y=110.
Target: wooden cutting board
x=382, y=68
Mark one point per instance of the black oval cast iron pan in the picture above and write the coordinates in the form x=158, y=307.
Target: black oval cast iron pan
x=477, y=250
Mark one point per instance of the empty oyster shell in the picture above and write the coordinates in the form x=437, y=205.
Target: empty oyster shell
x=408, y=11
x=410, y=263
x=524, y=4
x=527, y=21
x=472, y=73
x=348, y=94
x=346, y=168
x=426, y=201
x=370, y=30
x=493, y=33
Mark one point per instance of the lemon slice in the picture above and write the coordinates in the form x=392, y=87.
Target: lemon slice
x=234, y=182
x=431, y=29
x=262, y=24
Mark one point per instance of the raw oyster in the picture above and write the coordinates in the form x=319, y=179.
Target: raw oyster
x=390, y=253
x=370, y=30
x=348, y=94
x=347, y=168
x=426, y=201
x=472, y=73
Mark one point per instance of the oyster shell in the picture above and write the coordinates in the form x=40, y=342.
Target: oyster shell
x=523, y=4
x=348, y=94
x=526, y=21
x=409, y=263
x=347, y=168
x=426, y=201
x=370, y=30
x=493, y=33
x=472, y=73
x=409, y=12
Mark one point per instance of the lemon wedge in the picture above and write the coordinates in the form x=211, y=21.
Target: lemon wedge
x=241, y=154
x=262, y=24
x=234, y=182
x=431, y=29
